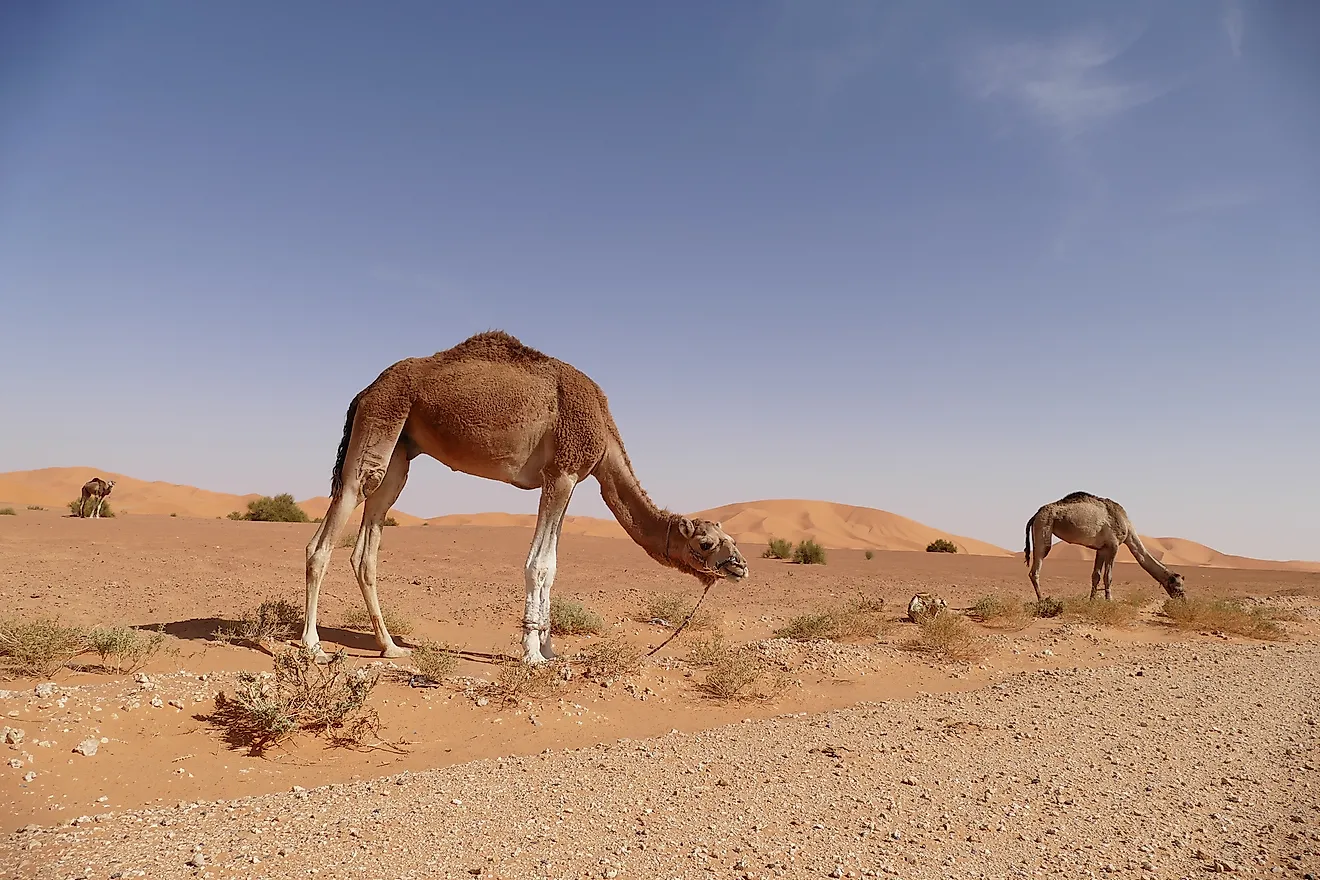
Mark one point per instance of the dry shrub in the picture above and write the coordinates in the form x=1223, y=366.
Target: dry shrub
x=869, y=554
x=1139, y=598
x=1002, y=612
x=272, y=620
x=570, y=618
x=348, y=542
x=808, y=552
x=736, y=674
x=671, y=611
x=359, y=619
x=940, y=545
x=1047, y=607
x=280, y=508
x=123, y=648
x=519, y=681
x=8, y=511
x=39, y=647
x=301, y=696
x=1100, y=612
x=610, y=659
x=706, y=652
x=1222, y=615
x=778, y=548
x=35, y=507
x=859, y=618
x=948, y=635
x=434, y=660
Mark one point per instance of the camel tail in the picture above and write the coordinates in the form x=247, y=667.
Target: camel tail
x=1026, y=553
x=337, y=477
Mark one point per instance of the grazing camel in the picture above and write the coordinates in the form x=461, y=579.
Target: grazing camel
x=495, y=408
x=1101, y=524
x=97, y=489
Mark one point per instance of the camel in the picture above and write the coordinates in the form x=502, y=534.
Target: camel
x=495, y=408
x=96, y=489
x=1101, y=524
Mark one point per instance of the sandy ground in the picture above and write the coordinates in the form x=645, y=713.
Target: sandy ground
x=1204, y=758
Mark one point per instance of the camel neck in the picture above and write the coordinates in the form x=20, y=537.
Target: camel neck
x=623, y=494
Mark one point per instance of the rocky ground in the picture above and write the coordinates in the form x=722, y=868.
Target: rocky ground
x=1186, y=760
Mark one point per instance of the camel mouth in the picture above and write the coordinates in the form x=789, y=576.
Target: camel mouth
x=735, y=571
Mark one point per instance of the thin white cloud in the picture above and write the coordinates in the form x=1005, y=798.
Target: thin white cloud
x=1068, y=85
x=1234, y=21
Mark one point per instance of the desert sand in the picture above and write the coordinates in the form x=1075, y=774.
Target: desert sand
x=1068, y=749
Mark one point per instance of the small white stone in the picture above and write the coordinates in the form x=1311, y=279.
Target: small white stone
x=88, y=746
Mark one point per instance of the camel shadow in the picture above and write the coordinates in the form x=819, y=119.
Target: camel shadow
x=205, y=629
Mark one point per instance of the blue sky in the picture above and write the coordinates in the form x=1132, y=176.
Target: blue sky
x=952, y=260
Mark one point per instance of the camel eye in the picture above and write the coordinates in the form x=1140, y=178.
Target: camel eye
x=706, y=544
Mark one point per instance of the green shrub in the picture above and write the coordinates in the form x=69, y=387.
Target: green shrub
x=670, y=610
x=870, y=554
x=1001, y=611
x=359, y=619
x=573, y=618
x=273, y=619
x=1222, y=615
x=391, y=521
x=123, y=648
x=808, y=552
x=8, y=511
x=281, y=508
x=778, y=549
x=35, y=507
x=434, y=660
x=861, y=617
x=76, y=507
x=1047, y=607
x=939, y=545
x=39, y=647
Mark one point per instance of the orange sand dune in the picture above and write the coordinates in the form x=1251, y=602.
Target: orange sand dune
x=1182, y=552
x=833, y=525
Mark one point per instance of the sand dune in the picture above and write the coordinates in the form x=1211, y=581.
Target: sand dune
x=838, y=526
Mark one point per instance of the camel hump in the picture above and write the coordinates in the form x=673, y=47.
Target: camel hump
x=495, y=345
x=1078, y=496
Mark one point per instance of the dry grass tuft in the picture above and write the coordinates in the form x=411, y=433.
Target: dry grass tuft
x=1100, y=612
x=1002, y=612
x=859, y=618
x=272, y=620
x=125, y=649
x=949, y=636
x=571, y=618
x=671, y=610
x=706, y=652
x=39, y=647
x=517, y=681
x=1047, y=607
x=434, y=660
x=358, y=619
x=301, y=696
x=1222, y=615
x=611, y=659
x=736, y=674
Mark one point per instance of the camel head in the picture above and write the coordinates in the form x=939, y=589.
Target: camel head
x=109, y=484
x=707, y=551
x=1174, y=585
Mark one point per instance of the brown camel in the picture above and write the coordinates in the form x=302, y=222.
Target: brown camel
x=1101, y=524
x=97, y=489
x=495, y=408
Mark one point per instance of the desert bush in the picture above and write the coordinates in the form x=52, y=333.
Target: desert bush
x=870, y=554
x=858, y=618
x=610, y=658
x=1047, y=607
x=173, y=514
x=39, y=647
x=349, y=541
x=359, y=619
x=778, y=548
x=1100, y=612
x=35, y=507
x=273, y=619
x=808, y=552
x=939, y=545
x=518, y=681
x=434, y=660
x=571, y=618
x=76, y=507
x=1222, y=615
x=301, y=696
x=707, y=651
x=391, y=521
x=8, y=511
x=279, y=508
x=671, y=610
x=123, y=648
x=948, y=635
x=235, y=515
x=736, y=674
x=1001, y=611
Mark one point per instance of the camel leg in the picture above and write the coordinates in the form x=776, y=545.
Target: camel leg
x=1097, y=571
x=96, y=506
x=368, y=546
x=1042, y=536
x=539, y=573
x=318, y=558
x=1109, y=572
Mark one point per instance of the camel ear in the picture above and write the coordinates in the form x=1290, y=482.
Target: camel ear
x=686, y=527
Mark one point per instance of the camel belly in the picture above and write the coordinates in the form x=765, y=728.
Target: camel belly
x=512, y=446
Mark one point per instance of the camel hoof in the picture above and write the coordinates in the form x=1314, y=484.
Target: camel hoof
x=320, y=657
x=393, y=652
x=535, y=660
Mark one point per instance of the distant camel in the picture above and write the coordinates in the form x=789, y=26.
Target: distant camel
x=97, y=489
x=494, y=408
x=1101, y=524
